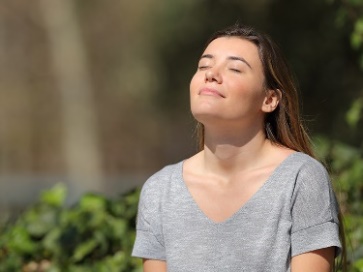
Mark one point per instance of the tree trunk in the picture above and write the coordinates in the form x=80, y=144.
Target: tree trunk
x=67, y=52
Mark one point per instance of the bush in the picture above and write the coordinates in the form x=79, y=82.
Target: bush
x=345, y=164
x=95, y=234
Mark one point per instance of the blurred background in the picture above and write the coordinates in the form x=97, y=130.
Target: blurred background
x=94, y=94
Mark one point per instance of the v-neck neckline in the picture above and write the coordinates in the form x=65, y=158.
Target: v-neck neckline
x=246, y=204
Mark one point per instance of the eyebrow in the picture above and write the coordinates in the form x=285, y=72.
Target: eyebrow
x=209, y=56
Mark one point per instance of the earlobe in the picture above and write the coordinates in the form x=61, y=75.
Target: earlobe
x=271, y=100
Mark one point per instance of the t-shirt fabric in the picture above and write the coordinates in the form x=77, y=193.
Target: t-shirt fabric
x=295, y=211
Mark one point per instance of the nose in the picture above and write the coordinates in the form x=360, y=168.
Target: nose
x=213, y=74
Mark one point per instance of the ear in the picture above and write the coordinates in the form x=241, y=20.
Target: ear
x=271, y=100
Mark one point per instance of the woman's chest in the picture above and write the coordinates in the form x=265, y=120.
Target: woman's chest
x=250, y=235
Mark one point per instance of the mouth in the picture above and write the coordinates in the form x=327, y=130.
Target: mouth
x=211, y=92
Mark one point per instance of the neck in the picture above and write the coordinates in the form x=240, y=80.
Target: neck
x=228, y=151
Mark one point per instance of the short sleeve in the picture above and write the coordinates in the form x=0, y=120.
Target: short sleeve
x=314, y=211
x=149, y=242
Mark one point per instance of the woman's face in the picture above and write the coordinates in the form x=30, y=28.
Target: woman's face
x=229, y=83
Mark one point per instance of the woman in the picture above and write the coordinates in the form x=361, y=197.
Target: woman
x=254, y=198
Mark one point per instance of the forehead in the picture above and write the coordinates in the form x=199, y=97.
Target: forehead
x=228, y=46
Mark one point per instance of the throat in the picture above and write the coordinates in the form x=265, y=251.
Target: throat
x=231, y=156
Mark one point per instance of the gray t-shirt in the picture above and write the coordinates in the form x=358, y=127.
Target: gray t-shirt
x=294, y=212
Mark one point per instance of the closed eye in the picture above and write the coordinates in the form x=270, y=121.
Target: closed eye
x=202, y=67
x=235, y=70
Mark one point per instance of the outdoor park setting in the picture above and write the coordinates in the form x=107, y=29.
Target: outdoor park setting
x=94, y=98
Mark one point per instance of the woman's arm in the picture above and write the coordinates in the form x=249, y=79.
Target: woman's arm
x=320, y=260
x=154, y=265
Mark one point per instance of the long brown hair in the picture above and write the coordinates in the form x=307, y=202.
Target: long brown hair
x=284, y=126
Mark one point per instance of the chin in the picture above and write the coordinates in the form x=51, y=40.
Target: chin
x=205, y=117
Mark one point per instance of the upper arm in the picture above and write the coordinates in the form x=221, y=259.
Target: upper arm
x=321, y=260
x=149, y=241
x=151, y=265
x=314, y=211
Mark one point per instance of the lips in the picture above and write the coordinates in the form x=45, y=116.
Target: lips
x=211, y=92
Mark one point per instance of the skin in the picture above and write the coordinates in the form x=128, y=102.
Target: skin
x=228, y=96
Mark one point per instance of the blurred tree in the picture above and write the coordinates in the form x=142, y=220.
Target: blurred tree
x=325, y=64
x=350, y=16
x=17, y=126
x=83, y=157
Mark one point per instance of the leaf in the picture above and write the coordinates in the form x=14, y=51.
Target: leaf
x=357, y=35
x=84, y=249
x=55, y=196
x=40, y=221
x=359, y=265
x=118, y=226
x=20, y=241
x=354, y=113
x=92, y=202
x=50, y=241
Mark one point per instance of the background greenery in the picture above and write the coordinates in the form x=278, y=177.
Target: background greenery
x=95, y=234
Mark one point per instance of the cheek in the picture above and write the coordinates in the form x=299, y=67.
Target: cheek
x=248, y=88
x=193, y=86
x=249, y=95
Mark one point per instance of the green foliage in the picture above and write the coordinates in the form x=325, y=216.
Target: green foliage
x=357, y=35
x=95, y=234
x=347, y=162
x=355, y=113
x=351, y=12
x=346, y=167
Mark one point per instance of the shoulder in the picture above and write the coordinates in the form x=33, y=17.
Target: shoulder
x=304, y=164
x=314, y=208
x=163, y=176
x=309, y=166
x=312, y=181
x=304, y=172
x=294, y=162
x=158, y=183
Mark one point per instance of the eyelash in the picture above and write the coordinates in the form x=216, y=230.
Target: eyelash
x=235, y=70
x=232, y=69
